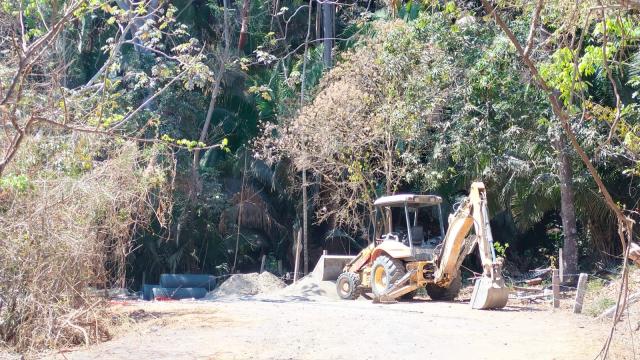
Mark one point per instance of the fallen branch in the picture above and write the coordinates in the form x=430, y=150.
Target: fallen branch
x=533, y=297
x=528, y=289
x=534, y=281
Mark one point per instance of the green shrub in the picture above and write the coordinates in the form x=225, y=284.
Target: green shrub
x=599, y=305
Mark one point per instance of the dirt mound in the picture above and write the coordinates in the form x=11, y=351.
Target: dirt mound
x=246, y=285
x=308, y=288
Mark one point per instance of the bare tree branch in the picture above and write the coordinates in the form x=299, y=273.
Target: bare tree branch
x=535, y=18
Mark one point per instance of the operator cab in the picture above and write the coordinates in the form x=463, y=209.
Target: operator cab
x=413, y=220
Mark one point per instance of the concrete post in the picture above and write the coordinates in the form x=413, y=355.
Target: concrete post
x=582, y=285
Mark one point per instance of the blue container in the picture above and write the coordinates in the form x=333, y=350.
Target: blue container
x=205, y=281
x=179, y=293
x=147, y=292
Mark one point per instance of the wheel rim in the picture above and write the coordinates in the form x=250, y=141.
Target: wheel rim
x=344, y=287
x=379, y=278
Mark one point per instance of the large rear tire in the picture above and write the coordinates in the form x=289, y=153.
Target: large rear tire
x=409, y=296
x=385, y=271
x=347, y=286
x=449, y=293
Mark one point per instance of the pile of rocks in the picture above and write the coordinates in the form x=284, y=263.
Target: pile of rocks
x=238, y=285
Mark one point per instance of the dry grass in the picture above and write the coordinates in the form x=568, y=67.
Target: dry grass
x=62, y=237
x=602, y=294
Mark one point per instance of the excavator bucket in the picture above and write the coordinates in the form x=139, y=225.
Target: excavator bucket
x=329, y=267
x=489, y=293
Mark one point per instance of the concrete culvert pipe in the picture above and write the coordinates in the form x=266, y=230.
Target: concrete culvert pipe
x=147, y=291
x=188, y=281
x=179, y=293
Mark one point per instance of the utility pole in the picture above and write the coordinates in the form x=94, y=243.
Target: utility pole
x=328, y=16
x=304, y=221
x=304, y=166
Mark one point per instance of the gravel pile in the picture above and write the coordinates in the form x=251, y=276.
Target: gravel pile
x=306, y=289
x=246, y=285
x=268, y=286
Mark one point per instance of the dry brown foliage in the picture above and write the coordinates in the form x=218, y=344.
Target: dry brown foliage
x=366, y=125
x=64, y=238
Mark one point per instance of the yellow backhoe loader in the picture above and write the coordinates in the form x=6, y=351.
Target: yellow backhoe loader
x=408, y=256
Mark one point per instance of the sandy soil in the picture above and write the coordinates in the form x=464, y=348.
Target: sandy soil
x=263, y=328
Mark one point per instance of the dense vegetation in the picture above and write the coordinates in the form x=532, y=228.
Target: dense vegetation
x=199, y=136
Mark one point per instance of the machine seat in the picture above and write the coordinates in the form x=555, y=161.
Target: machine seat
x=417, y=235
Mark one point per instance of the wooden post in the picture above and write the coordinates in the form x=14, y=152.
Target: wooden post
x=582, y=285
x=297, y=264
x=262, y=263
x=555, y=285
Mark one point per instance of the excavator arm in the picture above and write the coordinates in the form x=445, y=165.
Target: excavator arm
x=489, y=291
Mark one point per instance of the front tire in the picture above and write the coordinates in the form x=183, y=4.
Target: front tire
x=347, y=285
x=385, y=271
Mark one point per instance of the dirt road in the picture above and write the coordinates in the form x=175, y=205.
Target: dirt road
x=276, y=329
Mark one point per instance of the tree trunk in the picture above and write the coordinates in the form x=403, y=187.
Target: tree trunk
x=328, y=14
x=567, y=210
x=389, y=165
x=195, y=182
x=214, y=94
x=244, y=27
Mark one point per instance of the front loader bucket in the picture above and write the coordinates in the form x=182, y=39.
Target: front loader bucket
x=489, y=294
x=329, y=267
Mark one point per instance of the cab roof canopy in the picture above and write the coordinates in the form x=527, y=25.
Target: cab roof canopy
x=411, y=200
